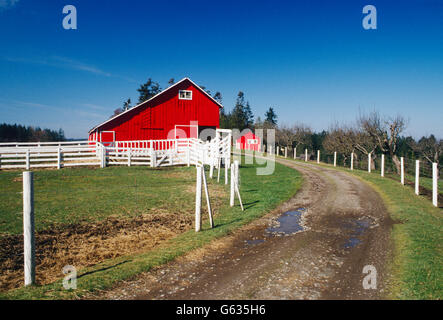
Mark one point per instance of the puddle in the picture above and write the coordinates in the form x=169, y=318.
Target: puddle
x=288, y=223
x=351, y=243
x=254, y=242
x=357, y=227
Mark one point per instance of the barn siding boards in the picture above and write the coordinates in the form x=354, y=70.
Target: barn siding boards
x=155, y=118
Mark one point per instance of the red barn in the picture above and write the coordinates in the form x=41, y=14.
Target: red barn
x=181, y=111
x=249, y=141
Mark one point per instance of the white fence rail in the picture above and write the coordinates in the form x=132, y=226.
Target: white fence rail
x=154, y=153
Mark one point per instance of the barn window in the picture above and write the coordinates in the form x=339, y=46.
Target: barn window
x=185, y=94
x=252, y=141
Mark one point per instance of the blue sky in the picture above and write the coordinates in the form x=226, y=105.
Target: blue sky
x=311, y=60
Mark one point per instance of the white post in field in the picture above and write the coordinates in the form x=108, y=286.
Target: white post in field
x=219, y=168
x=352, y=160
x=226, y=170
x=28, y=160
x=28, y=227
x=335, y=158
x=434, y=184
x=208, y=202
x=188, y=155
x=369, y=162
x=402, y=170
x=153, y=158
x=286, y=152
x=306, y=155
x=382, y=165
x=295, y=153
x=198, y=199
x=417, y=177
x=211, y=168
x=102, y=157
x=59, y=158
x=318, y=156
x=231, y=199
x=237, y=183
x=129, y=157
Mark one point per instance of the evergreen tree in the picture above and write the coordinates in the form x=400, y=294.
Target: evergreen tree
x=218, y=97
x=249, y=116
x=127, y=105
x=148, y=90
x=271, y=116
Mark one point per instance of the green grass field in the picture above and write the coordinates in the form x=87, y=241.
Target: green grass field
x=82, y=194
x=92, y=195
x=417, y=266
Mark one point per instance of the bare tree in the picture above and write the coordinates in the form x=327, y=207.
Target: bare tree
x=429, y=148
x=385, y=132
x=340, y=139
x=298, y=134
x=366, y=144
x=302, y=135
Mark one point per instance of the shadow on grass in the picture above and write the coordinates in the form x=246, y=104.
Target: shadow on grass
x=103, y=269
x=250, y=204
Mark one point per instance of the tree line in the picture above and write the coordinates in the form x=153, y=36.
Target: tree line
x=15, y=132
x=370, y=133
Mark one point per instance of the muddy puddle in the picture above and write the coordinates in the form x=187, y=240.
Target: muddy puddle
x=356, y=228
x=254, y=242
x=288, y=223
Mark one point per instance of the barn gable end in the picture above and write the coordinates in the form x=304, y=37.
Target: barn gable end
x=157, y=117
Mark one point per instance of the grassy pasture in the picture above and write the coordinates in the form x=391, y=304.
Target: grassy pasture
x=90, y=196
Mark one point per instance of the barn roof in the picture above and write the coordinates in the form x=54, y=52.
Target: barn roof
x=158, y=94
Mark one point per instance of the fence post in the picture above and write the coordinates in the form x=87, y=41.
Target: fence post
x=231, y=199
x=188, y=155
x=286, y=152
x=59, y=158
x=295, y=153
x=417, y=177
x=226, y=170
x=218, y=168
x=103, y=156
x=318, y=156
x=211, y=222
x=369, y=162
x=402, y=170
x=434, y=184
x=153, y=158
x=129, y=157
x=237, y=181
x=28, y=227
x=382, y=165
x=306, y=155
x=352, y=160
x=28, y=160
x=198, y=199
x=335, y=158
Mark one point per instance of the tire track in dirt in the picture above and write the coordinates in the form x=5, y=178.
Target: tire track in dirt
x=346, y=228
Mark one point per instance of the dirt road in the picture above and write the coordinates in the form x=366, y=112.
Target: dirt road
x=335, y=225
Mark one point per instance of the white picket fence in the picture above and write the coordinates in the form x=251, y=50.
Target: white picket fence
x=154, y=153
